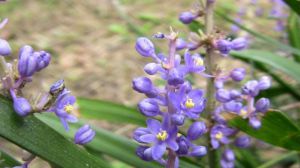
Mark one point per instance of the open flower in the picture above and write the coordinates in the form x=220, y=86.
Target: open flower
x=219, y=134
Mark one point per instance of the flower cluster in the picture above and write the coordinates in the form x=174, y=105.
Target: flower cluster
x=58, y=100
x=173, y=103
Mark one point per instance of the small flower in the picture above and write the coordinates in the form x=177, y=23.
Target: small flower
x=264, y=83
x=223, y=95
x=149, y=107
x=193, y=63
x=238, y=74
x=187, y=17
x=84, y=135
x=198, y=151
x=151, y=68
x=144, y=85
x=5, y=49
x=219, y=134
x=224, y=46
x=242, y=141
x=43, y=60
x=262, y=105
x=254, y=122
x=178, y=119
x=239, y=44
x=196, y=130
x=233, y=106
x=21, y=105
x=144, y=47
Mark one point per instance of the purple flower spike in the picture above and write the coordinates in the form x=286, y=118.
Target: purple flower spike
x=5, y=49
x=187, y=17
x=144, y=47
x=242, y=141
x=145, y=153
x=149, y=107
x=238, y=74
x=262, y=105
x=224, y=46
x=239, y=44
x=196, y=130
x=84, y=135
x=223, y=95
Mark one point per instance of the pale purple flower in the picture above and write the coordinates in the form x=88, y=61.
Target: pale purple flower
x=219, y=134
x=84, y=135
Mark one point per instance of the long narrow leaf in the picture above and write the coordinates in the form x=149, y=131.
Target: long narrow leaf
x=7, y=161
x=279, y=159
x=294, y=5
x=293, y=29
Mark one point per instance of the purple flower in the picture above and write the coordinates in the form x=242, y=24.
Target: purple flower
x=21, y=105
x=84, y=135
x=198, y=151
x=227, y=160
x=151, y=68
x=178, y=119
x=219, y=134
x=193, y=63
x=5, y=49
x=183, y=145
x=63, y=107
x=264, y=83
x=144, y=47
x=192, y=103
x=262, y=105
x=180, y=44
x=57, y=87
x=223, y=95
x=224, y=46
x=233, y=106
x=149, y=107
x=187, y=17
x=196, y=130
x=239, y=44
x=242, y=141
x=43, y=60
x=238, y=74
x=144, y=152
x=254, y=122
x=144, y=85
x=175, y=77
x=251, y=88
x=160, y=136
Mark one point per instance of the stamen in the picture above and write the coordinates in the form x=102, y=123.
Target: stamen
x=189, y=103
x=162, y=135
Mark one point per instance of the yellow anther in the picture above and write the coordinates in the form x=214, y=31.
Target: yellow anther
x=179, y=135
x=243, y=113
x=162, y=135
x=198, y=61
x=68, y=108
x=189, y=103
x=219, y=135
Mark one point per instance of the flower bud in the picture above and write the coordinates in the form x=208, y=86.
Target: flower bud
x=175, y=77
x=57, y=87
x=224, y=46
x=242, y=141
x=27, y=61
x=254, y=122
x=21, y=106
x=238, y=74
x=251, y=88
x=264, y=83
x=196, y=130
x=142, y=85
x=198, y=151
x=144, y=47
x=140, y=132
x=151, y=68
x=187, y=86
x=180, y=44
x=187, y=17
x=43, y=60
x=239, y=44
x=183, y=145
x=233, y=106
x=223, y=95
x=219, y=84
x=5, y=49
x=234, y=94
x=228, y=155
x=178, y=119
x=84, y=135
x=149, y=107
x=144, y=152
x=262, y=105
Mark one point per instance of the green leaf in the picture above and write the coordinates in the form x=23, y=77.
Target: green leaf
x=38, y=138
x=247, y=158
x=276, y=160
x=293, y=29
x=259, y=35
x=7, y=161
x=113, y=145
x=285, y=65
x=276, y=129
x=294, y=5
x=103, y=110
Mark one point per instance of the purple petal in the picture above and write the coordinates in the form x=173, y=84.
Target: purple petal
x=173, y=145
x=153, y=125
x=158, y=151
x=148, y=138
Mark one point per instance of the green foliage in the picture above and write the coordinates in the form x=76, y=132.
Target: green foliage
x=7, y=161
x=276, y=129
x=293, y=29
x=38, y=138
x=294, y=5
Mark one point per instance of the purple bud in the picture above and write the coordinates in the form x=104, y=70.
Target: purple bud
x=140, y=132
x=187, y=17
x=233, y=106
x=219, y=84
x=187, y=86
x=183, y=145
x=251, y=88
x=239, y=44
x=144, y=152
x=27, y=61
x=142, y=85
x=264, y=83
x=180, y=44
x=151, y=68
x=223, y=95
x=84, y=135
x=262, y=105
x=57, y=87
x=175, y=77
x=196, y=130
x=234, y=94
x=228, y=155
x=198, y=151
x=178, y=119
x=149, y=107
x=144, y=47
x=254, y=122
x=21, y=106
x=43, y=60
x=5, y=49
x=159, y=35
x=224, y=46
x=242, y=141
x=238, y=74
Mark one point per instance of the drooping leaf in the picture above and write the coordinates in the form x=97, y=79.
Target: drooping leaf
x=7, y=161
x=276, y=129
x=103, y=110
x=285, y=65
x=113, y=145
x=293, y=29
x=38, y=138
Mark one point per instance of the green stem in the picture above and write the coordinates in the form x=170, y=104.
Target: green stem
x=210, y=68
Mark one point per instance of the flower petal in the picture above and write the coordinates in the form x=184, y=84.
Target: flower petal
x=148, y=138
x=158, y=151
x=153, y=125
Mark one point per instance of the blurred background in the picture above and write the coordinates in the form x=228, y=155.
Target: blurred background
x=92, y=45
